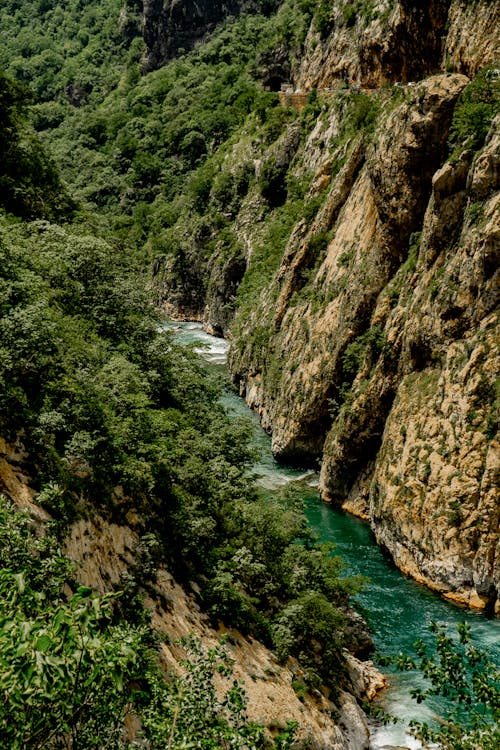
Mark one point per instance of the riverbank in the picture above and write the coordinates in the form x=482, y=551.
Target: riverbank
x=398, y=609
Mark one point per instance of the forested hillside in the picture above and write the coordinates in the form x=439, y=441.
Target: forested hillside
x=347, y=245
x=105, y=420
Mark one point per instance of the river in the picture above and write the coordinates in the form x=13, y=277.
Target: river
x=398, y=609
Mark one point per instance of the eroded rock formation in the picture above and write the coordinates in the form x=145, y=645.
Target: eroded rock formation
x=378, y=348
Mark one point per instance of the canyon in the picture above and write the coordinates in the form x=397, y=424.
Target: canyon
x=372, y=345
x=318, y=184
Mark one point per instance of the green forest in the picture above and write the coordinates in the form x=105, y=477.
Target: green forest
x=113, y=184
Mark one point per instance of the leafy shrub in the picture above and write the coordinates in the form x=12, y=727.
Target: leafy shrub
x=323, y=18
x=474, y=112
x=465, y=676
x=318, y=243
x=272, y=182
x=361, y=113
x=65, y=668
x=349, y=15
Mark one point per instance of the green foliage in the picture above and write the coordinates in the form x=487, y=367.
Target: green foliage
x=273, y=576
x=267, y=255
x=272, y=182
x=369, y=343
x=151, y=137
x=72, y=672
x=465, y=676
x=74, y=50
x=363, y=351
x=66, y=669
x=478, y=103
x=104, y=400
x=88, y=377
x=455, y=513
x=349, y=15
x=393, y=290
x=323, y=18
x=29, y=183
x=493, y=418
x=307, y=623
x=360, y=113
x=318, y=242
x=354, y=9
x=310, y=113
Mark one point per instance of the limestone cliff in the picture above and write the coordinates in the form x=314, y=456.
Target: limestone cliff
x=372, y=345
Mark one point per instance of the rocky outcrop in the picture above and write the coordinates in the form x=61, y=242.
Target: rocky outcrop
x=14, y=481
x=377, y=44
x=389, y=354
x=472, y=39
x=387, y=42
x=172, y=27
x=372, y=345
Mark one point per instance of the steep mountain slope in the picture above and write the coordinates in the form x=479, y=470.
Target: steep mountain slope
x=114, y=440
x=347, y=244
x=171, y=28
x=348, y=248
x=365, y=326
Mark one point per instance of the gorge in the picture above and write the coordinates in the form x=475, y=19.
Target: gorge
x=371, y=309
x=315, y=183
x=398, y=610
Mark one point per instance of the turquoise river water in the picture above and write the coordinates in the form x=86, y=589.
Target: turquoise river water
x=397, y=609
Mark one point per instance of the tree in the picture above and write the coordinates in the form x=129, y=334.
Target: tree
x=29, y=183
x=72, y=670
x=467, y=678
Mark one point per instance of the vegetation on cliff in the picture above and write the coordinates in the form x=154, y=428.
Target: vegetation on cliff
x=242, y=207
x=75, y=674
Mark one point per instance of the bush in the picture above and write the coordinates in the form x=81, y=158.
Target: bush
x=470, y=683
x=272, y=182
x=473, y=114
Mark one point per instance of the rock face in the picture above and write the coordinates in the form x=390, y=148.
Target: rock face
x=387, y=42
x=374, y=346
x=171, y=27
x=383, y=43
x=391, y=377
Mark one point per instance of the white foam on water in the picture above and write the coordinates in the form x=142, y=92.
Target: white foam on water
x=273, y=479
x=211, y=348
x=215, y=353
x=392, y=736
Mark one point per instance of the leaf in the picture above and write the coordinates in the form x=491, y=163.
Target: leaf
x=83, y=592
x=43, y=643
